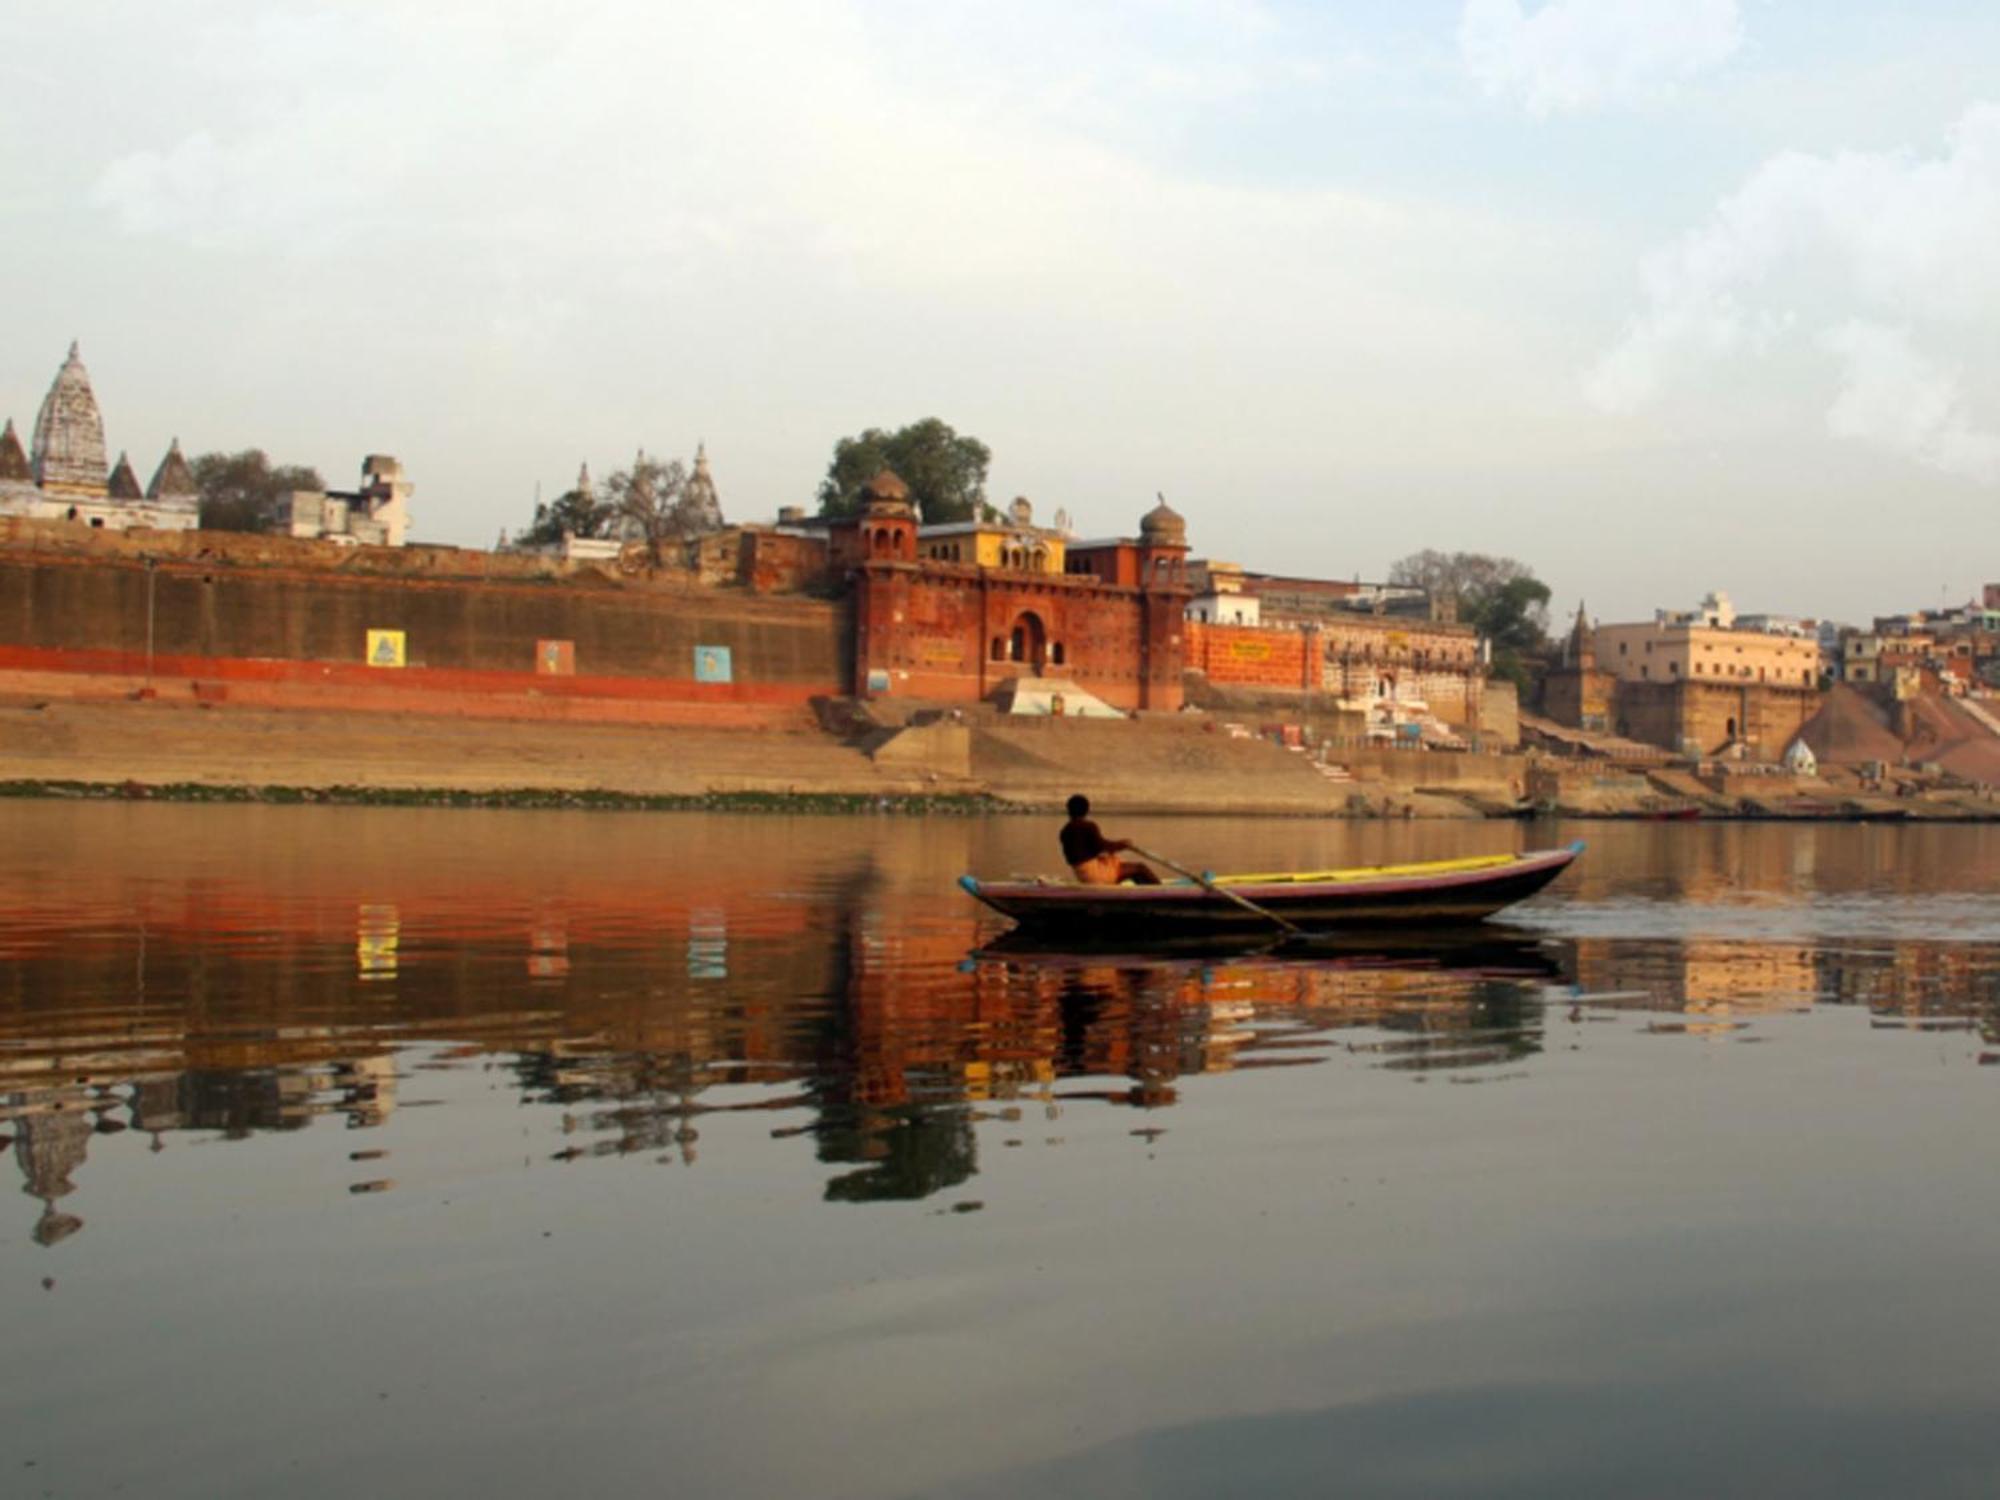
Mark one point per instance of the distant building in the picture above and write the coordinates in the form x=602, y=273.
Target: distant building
x=1015, y=543
x=1222, y=601
x=375, y=515
x=65, y=477
x=1576, y=693
x=1694, y=681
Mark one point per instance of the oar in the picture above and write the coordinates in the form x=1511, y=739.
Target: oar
x=1228, y=895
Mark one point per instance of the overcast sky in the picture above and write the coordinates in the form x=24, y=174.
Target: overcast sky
x=1657, y=295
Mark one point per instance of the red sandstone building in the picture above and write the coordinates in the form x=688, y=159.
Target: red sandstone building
x=1111, y=622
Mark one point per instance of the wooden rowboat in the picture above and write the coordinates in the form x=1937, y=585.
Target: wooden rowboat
x=1437, y=892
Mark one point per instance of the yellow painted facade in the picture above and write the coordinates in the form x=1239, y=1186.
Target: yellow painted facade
x=1653, y=652
x=993, y=544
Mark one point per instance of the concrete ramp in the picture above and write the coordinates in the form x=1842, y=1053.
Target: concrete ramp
x=1052, y=697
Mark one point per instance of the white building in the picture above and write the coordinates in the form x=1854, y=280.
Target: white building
x=375, y=515
x=64, y=476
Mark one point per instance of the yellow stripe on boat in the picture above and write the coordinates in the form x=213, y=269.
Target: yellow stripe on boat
x=1373, y=872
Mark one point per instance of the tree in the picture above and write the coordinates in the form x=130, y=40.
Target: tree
x=652, y=502
x=573, y=513
x=1498, y=596
x=245, y=491
x=946, y=473
x=646, y=501
x=1514, y=617
x=1462, y=577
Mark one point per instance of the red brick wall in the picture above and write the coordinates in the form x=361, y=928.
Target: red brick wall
x=932, y=629
x=279, y=635
x=1250, y=656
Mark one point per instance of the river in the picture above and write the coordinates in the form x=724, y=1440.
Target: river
x=476, y=1153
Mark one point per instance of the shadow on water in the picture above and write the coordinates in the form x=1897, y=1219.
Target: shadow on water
x=1709, y=1436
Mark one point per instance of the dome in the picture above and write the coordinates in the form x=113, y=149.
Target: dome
x=885, y=494
x=1162, y=526
x=69, y=433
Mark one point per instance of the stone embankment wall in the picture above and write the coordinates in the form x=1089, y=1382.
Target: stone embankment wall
x=285, y=624
x=1764, y=717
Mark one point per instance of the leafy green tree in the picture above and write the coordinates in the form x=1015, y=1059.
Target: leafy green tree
x=1514, y=617
x=246, y=491
x=1498, y=596
x=946, y=473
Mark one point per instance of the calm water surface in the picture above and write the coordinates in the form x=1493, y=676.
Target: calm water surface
x=468, y=1153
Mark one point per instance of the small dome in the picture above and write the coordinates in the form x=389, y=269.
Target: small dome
x=885, y=494
x=1162, y=526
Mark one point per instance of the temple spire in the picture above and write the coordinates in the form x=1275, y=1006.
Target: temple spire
x=124, y=483
x=68, y=454
x=13, y=458
x=1582, y=640
x=173, y=478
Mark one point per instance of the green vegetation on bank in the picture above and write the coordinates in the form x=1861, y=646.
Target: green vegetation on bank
x=539, y=798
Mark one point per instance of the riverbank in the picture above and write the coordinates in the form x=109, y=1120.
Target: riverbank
x=1180, y=764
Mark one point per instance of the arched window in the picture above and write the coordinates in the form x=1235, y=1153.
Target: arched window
x=1029, y=640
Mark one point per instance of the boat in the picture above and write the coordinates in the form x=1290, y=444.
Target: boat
x=1432, y=893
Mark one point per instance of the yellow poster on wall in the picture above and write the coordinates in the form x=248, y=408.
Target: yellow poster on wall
x=385, y=648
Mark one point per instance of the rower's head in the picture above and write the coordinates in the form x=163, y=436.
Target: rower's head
x=1079, y=806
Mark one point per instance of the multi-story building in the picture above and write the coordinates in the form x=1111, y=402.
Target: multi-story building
x=1695, y=681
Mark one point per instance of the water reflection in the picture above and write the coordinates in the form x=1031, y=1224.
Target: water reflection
x=164, y=990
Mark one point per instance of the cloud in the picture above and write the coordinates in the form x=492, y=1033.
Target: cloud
x=1895, y=399
x=1586, y=54
x=1878, y=259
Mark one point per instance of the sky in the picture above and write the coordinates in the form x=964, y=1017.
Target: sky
x=1657, y=296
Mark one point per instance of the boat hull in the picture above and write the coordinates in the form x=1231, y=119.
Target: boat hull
x=1185, y=909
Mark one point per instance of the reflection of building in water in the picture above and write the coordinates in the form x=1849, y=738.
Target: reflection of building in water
x=641, y=1013
x=51, y=1137
x=1714, y=975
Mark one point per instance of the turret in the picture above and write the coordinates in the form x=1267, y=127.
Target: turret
x=1163, y=547
x=888, y=519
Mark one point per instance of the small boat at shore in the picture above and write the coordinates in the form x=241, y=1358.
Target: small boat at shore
x=1432, y=893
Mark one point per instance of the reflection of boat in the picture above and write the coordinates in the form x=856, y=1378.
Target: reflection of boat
x=1472, y=951
x=1436, y=892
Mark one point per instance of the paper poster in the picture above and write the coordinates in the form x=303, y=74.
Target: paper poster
x=385, y=648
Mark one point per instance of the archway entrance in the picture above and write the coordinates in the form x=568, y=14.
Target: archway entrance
x=1028, y=641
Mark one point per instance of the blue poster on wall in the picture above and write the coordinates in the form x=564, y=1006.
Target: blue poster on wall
x=711, y=664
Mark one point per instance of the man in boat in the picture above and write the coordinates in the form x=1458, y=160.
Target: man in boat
x=1094, y=857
